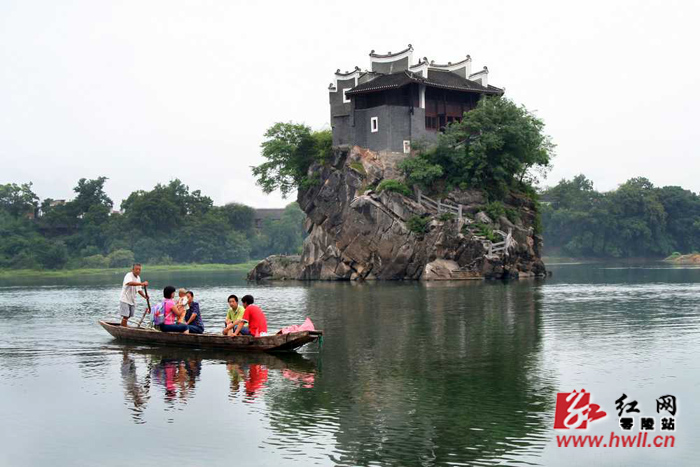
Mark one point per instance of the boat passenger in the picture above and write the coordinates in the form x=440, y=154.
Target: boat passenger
x=193, y=317
x=234, y=313
x=254, y=316
x=172, y=311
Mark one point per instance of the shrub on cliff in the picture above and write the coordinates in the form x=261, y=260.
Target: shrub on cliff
x=290, y=149
x=395, y=186
x=497, y=146
x=418, y=224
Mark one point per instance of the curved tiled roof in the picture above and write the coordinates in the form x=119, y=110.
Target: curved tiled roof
x=389, y=55
x=450, y=65
x=436, y=78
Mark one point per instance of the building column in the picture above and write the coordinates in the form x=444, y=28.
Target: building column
x=421, y=96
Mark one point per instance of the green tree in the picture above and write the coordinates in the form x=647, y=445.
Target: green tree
x=282, y=236
x=18, y=200
x=240, y=217
x=497, y=146
x=290, y=149
x=683, y=217
x=164, y=208
x=120, y=259
x=90, y=193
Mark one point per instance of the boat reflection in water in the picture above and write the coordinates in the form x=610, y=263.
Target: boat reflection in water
x=172, y=374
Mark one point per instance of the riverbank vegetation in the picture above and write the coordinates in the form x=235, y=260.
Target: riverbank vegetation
x=164, y=226
x=635, y=220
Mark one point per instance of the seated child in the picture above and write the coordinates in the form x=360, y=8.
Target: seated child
x=183, y=303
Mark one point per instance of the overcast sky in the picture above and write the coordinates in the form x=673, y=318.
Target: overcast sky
x=146, y=91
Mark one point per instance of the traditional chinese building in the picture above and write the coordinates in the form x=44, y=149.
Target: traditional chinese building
x=398, y=102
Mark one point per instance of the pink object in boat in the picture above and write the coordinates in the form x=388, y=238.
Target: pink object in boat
x=307, y=326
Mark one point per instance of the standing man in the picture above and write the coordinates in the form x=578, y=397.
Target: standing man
x=127, y=301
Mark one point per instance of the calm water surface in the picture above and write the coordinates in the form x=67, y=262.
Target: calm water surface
x=408, y=374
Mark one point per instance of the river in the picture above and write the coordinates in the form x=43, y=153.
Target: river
x=407, y=374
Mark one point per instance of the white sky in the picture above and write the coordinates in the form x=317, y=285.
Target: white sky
x=146, y=91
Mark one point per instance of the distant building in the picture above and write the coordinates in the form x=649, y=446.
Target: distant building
x=261, y=215
x=57, y=202
x=397, y=102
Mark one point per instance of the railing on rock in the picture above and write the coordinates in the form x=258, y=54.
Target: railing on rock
x=439, y=206
x=493, y=249
x=501, y=247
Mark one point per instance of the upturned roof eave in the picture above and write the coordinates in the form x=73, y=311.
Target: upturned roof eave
x=412, y=79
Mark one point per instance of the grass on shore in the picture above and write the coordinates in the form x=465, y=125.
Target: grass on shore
x=240, y=267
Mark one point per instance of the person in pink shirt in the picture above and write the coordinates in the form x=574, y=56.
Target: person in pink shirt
x=173, y=311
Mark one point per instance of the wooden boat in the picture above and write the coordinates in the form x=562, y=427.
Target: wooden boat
x=274, y=343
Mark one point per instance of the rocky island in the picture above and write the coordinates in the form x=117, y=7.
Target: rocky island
x=356, y=232
x=422, y=178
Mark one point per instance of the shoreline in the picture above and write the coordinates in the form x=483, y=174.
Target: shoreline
x=68, y=273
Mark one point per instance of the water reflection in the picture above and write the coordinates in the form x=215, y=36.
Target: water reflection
x=437, y=374
x=432, y=376
x=173, y=374
x=136, y=390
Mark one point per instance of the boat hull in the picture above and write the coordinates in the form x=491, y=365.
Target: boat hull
x=274, y=343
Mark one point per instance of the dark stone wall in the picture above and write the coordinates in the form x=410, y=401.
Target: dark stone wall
x=343, y=131
x=418, y=132
x=394, y=128
x=341, y=114
x=338, y=107
x=396, y=124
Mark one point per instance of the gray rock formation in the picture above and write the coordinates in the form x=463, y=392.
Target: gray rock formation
x=356, y=233
x=276, y=267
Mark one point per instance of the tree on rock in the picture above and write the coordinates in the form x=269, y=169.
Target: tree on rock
x=290, y=149
x=497, y=146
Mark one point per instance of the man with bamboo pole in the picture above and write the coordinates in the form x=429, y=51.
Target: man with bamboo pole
x=131, y=284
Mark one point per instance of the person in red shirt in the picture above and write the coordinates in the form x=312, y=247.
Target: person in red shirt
x=254, y=316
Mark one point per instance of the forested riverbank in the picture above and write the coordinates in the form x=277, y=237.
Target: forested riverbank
x=171, y=226
x=636, y=220
x=165, y=226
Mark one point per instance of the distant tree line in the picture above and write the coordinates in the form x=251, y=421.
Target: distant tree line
x=168, y=224
x=635, y=220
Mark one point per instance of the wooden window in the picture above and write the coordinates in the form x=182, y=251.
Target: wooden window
x=374, y=124
x=430, y=123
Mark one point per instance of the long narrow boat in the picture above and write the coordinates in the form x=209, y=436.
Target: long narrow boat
x=274, y=343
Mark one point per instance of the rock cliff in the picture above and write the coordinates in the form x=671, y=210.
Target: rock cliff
x=357, y=233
